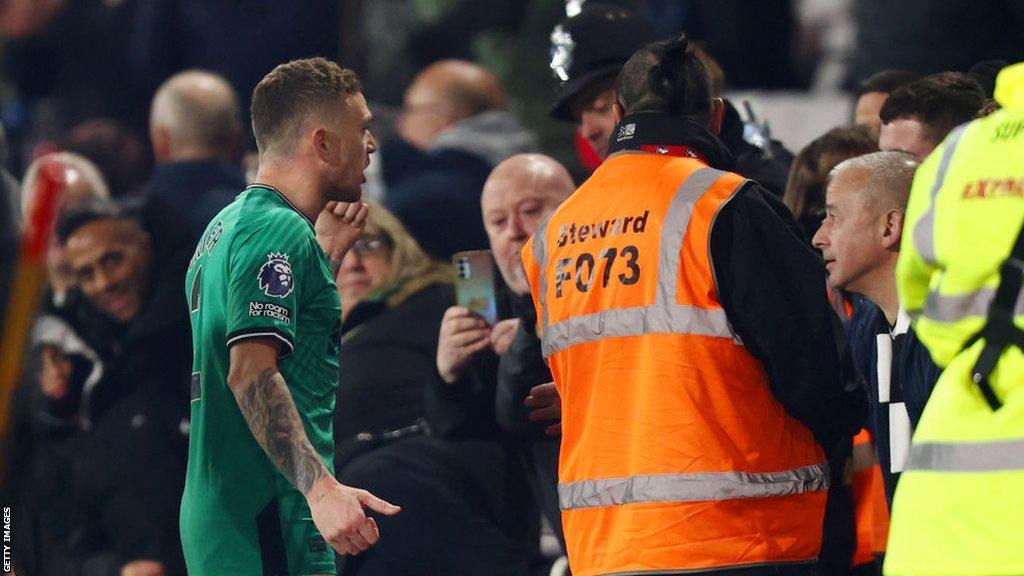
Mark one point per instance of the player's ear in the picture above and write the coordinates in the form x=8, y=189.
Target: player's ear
x=321, y=142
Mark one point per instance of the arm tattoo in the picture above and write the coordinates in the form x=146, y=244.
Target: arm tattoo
x=270, y=411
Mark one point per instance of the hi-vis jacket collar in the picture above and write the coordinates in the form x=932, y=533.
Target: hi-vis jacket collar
x=1009, y=90
x=647, y=129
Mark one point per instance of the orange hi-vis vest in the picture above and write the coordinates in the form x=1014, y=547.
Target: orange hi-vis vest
x=675, y=454
x=871, y=511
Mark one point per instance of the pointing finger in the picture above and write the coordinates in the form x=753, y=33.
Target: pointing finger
x=377, y=505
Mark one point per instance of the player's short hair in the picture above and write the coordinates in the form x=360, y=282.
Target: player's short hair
x=292, y=92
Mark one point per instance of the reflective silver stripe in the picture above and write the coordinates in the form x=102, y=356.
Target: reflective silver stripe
x=624, y=322
x=924, y=232
x=945, y=308
x=673, y=230
x=664, y=316
x=691, y=487
x=988, y=456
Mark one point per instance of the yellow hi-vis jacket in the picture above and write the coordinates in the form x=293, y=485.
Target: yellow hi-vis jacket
x=959, y=506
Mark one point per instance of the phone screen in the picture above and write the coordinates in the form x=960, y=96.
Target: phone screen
x=475, y=281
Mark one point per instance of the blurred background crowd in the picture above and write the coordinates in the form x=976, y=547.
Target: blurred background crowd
x=144, y=102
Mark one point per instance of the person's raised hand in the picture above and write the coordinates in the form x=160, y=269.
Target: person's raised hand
x=338, y=227
x=463, y=334
x=502, y=335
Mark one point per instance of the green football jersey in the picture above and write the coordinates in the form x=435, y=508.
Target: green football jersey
x=258, y=271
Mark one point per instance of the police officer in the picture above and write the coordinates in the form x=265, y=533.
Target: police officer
x=958, y=507
x=694, y=350
x=587, y=52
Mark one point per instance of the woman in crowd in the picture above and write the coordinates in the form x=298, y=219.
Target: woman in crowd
x=808, y=177
x=454, y=493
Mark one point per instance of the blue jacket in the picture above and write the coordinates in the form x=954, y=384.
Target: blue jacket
x=913, y=376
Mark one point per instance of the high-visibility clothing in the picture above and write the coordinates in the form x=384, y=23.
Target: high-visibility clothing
x=675, y=454
x=871, y=512
x=959, y=506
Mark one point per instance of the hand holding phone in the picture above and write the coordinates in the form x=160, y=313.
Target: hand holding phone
x=463, y=334
x=475, y=283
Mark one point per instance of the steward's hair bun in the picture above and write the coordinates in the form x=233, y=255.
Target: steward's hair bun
x=666, y=74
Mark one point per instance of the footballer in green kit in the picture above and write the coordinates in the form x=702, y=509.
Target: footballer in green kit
x=260, y=495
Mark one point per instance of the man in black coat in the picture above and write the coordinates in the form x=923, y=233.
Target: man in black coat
x=454, y=129
x=128, y=473
x=196, y=131
x=518, y=194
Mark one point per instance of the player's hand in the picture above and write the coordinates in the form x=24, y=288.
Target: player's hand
x=502, y=335
x=462, y=335
x=545, y=404
x=143, y=568
x=338, y=227
x=338, y=513
x=55, y=373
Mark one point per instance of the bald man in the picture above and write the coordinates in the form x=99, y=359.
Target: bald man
x=196, y=132
x=859, y=238
x=445, y=93
x=454, y=129
x=519, y=194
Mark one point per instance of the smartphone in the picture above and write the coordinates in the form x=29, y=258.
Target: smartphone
x=475, y=283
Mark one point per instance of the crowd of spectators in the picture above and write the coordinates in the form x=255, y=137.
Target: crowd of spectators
x=452, y=418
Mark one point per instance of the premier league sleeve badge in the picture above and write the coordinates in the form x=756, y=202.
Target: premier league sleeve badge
x=275, y=277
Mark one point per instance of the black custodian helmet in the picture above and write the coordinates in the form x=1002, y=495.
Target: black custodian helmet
x=590, y=46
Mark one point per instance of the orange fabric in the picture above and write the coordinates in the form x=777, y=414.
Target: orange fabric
x=870, y=508
x=664, y=403
x=840, y=303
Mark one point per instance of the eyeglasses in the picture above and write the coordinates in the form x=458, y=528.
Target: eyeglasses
x=371, y=245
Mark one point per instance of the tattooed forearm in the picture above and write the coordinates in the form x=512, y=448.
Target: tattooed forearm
x=268, y=408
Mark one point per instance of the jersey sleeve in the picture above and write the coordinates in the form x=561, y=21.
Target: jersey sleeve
x=266, y=268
